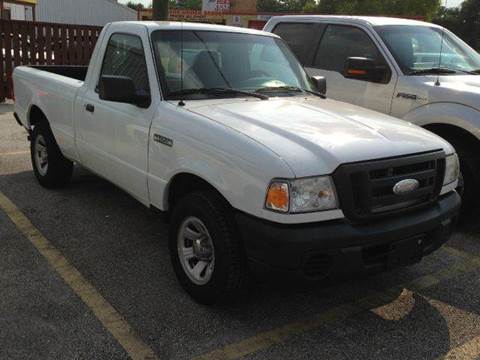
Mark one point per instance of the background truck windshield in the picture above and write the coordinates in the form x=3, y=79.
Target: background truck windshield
x=418, y=48
x=224, y=60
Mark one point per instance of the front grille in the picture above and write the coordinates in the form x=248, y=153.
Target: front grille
x=365, y=189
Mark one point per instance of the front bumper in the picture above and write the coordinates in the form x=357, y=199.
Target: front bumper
x=315, y=251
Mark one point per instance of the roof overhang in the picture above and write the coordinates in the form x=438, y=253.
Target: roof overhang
x=26, y=2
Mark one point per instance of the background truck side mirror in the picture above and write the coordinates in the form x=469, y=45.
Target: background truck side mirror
x=320, y=83
x=121, y=89
x=361, y=68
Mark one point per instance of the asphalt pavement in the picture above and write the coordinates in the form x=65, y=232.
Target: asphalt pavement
x=118, y=250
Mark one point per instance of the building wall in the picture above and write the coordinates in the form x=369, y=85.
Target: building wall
x=17, y=12
x=85, y=12
x=244, y=6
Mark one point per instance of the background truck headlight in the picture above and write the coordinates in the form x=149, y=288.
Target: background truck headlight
x=302, y=195
x=452, y=169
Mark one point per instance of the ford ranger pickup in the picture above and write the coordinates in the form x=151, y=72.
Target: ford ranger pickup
x=260, y=174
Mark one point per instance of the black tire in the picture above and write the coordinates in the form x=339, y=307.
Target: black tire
x=470, y=176
x=58, y=171
x=229, y=275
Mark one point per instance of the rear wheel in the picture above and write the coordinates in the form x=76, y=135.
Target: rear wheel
x=205, y=250
x=51, y=168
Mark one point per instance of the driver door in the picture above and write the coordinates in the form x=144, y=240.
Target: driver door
x=113, y=137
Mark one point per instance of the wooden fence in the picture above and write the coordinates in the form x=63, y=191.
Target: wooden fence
x=37, y=43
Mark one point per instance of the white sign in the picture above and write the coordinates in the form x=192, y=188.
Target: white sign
x=216, y=5
x=264, y=17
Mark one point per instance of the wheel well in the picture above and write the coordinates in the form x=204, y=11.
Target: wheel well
x=457, y=136
x=185, y=183
x=36, y=116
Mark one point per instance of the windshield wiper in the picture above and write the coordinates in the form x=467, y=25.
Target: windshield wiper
x=433, y=70
x=289, y=88
x=216, y=91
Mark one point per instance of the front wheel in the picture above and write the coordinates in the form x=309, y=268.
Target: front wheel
x=51, y=168
x=205, y=250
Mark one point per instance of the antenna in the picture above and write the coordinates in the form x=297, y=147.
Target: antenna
x=437, y=83
x=181, y=102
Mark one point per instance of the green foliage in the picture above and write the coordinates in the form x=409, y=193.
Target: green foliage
x=283, y=5
x=411, y=8
x=134, y=5
x=186, y=4
x=463, y=21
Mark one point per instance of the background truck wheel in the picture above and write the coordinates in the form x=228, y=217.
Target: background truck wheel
x=470, y=176
x=206, y=254
x=51, y=168
x=469, y=182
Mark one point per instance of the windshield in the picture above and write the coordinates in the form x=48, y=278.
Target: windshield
x=418, y=48
x=223, y=60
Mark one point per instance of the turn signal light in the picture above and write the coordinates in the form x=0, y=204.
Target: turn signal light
x=278, y=198
x=356, y=72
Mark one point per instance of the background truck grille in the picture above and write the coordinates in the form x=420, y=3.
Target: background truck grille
x=365, y=189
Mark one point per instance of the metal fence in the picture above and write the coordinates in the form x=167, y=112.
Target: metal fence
x=37, y=43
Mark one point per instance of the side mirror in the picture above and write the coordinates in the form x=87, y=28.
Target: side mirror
x=361, y=68
x=320, y=83
x=121, y=89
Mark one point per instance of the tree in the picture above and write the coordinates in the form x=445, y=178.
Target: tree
x=160, y=10
x=282, y=5
x=186, y=4
x=470, y=22
x=135, y=6
x=463, y=21
x=411, y=8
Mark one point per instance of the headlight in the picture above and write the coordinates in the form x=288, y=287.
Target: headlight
x=452, y=169
x=302, y=195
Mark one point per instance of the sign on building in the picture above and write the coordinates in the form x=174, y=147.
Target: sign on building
x=216, y=5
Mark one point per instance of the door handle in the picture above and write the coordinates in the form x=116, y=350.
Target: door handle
x=90, y=108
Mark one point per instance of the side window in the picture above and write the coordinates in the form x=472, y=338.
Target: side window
x=125, y=57
x=341, y=42
x=298, y=36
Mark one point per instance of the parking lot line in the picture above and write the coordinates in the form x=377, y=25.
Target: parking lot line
x=111, y=319
x=279, y=335
x=467, y=351
x=12, y=153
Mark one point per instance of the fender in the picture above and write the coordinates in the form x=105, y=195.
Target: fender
x=450, y=113
x=238, y=167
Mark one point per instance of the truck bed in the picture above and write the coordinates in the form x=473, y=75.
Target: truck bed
x=54, y=90
x=72, y=71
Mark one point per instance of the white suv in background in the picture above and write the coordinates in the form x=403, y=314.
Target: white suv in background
x=416, y=71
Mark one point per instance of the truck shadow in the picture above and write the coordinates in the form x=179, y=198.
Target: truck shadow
x=121, y=248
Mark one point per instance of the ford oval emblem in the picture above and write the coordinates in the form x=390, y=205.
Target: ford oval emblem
x=406, y=186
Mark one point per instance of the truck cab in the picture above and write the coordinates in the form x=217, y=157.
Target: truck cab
x=412, y=70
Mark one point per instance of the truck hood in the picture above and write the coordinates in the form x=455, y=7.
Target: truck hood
x=460, y=89
x=314, y=136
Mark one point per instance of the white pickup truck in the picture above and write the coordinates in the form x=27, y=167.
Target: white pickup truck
x=260, y=174
x=413, y=70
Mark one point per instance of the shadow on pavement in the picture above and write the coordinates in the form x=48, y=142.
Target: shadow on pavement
x=121, y=248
